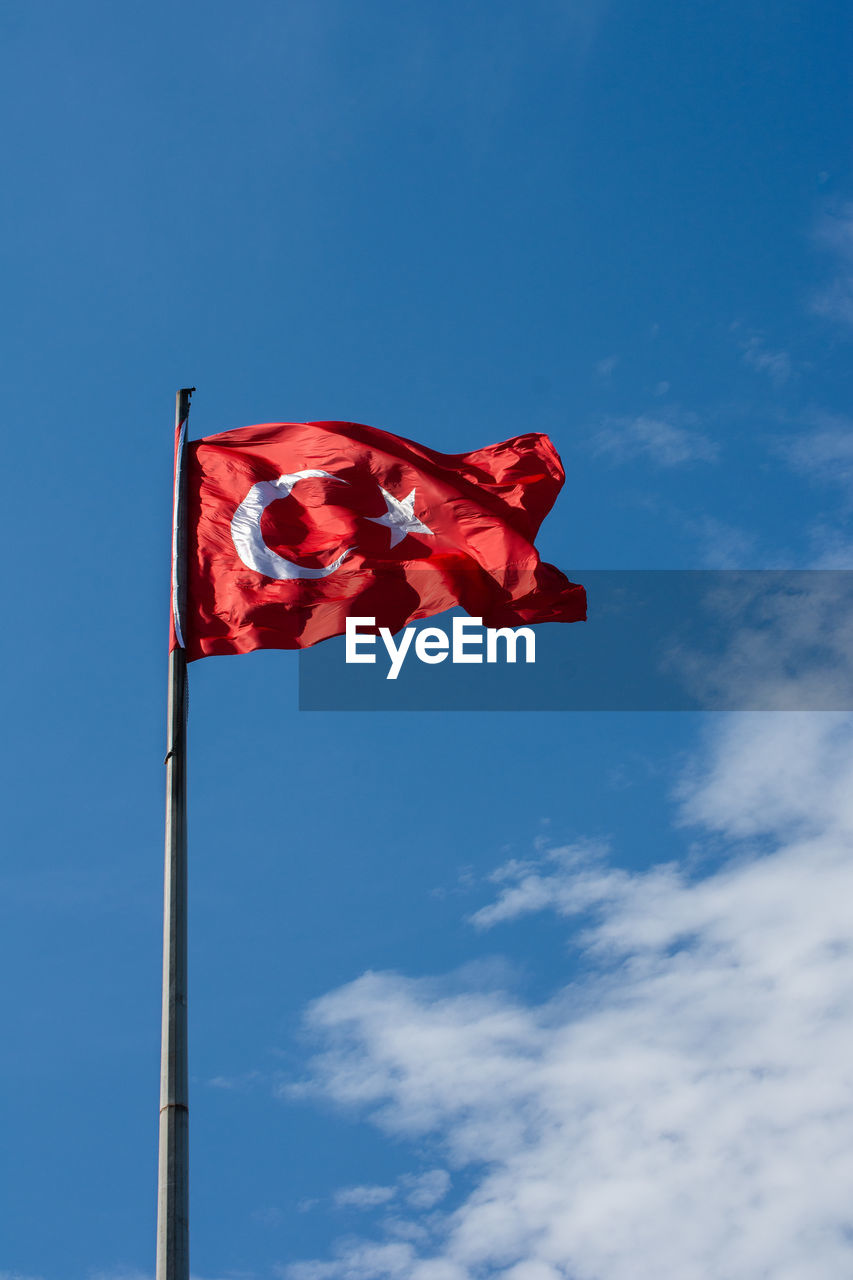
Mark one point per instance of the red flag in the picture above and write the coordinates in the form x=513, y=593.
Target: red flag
x=293, y=527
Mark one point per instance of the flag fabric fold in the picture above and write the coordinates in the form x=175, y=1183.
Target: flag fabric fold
x=293, y=527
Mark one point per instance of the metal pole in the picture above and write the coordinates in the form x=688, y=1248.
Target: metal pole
x=173, y=1176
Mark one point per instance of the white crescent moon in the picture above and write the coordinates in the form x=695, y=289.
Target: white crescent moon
x=246, y=529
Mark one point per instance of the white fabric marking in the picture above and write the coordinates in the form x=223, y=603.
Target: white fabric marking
x=246, y=529
x=400, y=517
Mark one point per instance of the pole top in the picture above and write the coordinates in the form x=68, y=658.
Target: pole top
x=182, y=403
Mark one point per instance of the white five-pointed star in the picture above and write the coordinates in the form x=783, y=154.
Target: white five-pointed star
x=400, y=517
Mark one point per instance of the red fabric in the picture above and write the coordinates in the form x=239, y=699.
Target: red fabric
x=483, y=510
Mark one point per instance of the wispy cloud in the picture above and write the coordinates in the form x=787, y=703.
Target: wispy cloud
x=420, y=1190
x=269, y=1216
x=424, y=1190
x=123, y=1273
x=363, y=1197
x=133, y=1273
x=528, y=888
x=777, y=365
x=722, y=545
x=241, y=1083
x=832, y=549
x=825, y=451
x=664, y=441
x=605, y=366
x=835, y=233
x=787, y=645
x=685, y=1099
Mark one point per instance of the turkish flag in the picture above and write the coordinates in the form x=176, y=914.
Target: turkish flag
x=293, y=527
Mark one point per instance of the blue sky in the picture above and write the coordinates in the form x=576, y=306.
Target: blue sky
x=435, y=976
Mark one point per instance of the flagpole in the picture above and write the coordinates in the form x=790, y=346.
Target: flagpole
x=173, y=1173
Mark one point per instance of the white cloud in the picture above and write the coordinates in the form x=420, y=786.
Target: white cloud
x=231, y=1275
x=831, y=549
x=605, y=367
x=835, y=233
x=362, y=1261
x=786, y=643
x=134, y=1273
x=238, y=1084
x=526, y=889
x=723, y=546
x=403, y=1229
x=685, y=1099
x=789, y=777
x=364, y=1197
x=420, y=1190
x=664, y=442
x=425, y=1190
x=826, y=451
x=269, y=1216
x=122, y=1273
x=776, y=364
